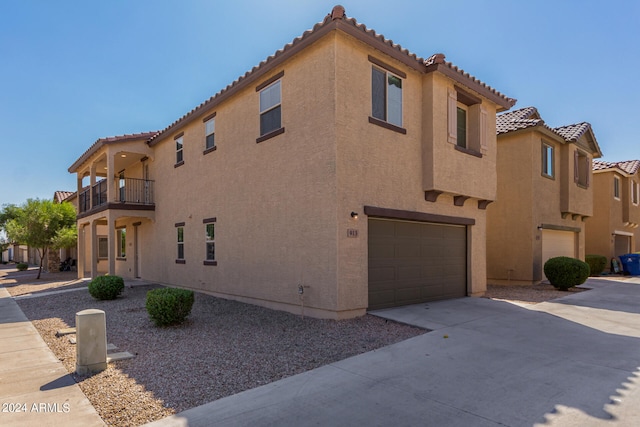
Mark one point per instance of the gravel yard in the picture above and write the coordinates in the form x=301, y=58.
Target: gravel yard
x=225, y=347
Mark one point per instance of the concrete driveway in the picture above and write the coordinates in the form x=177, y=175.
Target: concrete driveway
x=571, y=362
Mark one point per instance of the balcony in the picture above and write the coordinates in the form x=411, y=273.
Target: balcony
x=131, y=193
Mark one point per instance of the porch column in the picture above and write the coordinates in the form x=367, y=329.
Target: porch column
x=92, y=182
x=111, y=239
x=82, y=244
x=93, y=248
x=111, y=191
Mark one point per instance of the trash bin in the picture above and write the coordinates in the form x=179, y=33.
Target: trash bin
x=631, y=264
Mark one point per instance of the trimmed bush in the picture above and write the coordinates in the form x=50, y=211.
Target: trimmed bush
x=106, y=287
x=564, y=272
x=597, y=263
x=22, y=266
x=169, y=306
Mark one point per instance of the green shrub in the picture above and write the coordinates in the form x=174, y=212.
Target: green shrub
x=169, y=306
x=22, y=266
x=106, y=287
x=564, y=272
x=597, y=264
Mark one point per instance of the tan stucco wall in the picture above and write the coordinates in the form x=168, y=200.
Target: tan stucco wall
x=609, y=215
x=527, y=200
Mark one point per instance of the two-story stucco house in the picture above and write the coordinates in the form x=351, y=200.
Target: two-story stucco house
x=343, y=173
x=613, y=230
x=545, y=195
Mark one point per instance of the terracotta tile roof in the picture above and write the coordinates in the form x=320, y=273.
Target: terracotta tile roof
x=109, y=140
x=519, y=119
x=61, y=196
x=337, y=19
x=573, y=132
x=630, y=167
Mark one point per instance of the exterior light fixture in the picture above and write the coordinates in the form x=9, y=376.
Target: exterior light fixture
x=354, y=215
x=123, y=155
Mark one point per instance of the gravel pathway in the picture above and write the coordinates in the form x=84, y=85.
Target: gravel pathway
x=225, y=347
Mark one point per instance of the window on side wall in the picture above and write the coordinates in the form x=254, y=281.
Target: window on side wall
x=616, y=188
x=547, y=160
x=210, y=133
x=386, y=96
x=103, y=248
x=179, y=151
x=121, y=238
x=582, y=169
x=270, y=108
x=635, y=192
x=180, y=243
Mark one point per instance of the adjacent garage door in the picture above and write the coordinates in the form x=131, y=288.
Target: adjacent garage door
x=414, y=262
x=557, y=243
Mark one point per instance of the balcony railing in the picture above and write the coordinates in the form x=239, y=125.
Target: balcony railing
x=129, y=191
x=133, y=190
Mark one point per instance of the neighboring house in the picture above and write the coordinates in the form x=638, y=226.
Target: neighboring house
x=545, y=195
x=343, y=167
x=613, y=230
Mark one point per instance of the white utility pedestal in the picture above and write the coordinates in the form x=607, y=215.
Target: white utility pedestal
x=91, y=341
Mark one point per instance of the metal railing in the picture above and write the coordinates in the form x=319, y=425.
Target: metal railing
x=129, y=190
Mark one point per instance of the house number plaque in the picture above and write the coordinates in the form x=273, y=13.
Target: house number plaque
x=352, y=232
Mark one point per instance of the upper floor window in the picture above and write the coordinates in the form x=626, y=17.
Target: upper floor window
x=635, y=192
x=386, y=96
x=121, y=238
x=582, y=169
x=547, y=160
x=270, y=108
x=461, y=125
x=210, y=133
x=616, y=187
x=179, y=149
x=467, y=126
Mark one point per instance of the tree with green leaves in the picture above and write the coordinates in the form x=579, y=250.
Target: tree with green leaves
x=41, y=224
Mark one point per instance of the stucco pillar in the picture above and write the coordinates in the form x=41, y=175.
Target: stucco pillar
x=80, y=263
x=111, y=188
x=111, y=232
x=93, y=248
x=92, y=182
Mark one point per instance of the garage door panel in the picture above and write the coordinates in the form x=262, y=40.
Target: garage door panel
x=557, y=243
x=428, y=262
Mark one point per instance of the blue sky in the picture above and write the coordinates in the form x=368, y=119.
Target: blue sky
x=74, y=71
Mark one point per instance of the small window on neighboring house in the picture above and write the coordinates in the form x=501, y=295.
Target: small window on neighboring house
x=180, y=240
x=547, y=160
x=103, y=248
x=209, y=131
x=270, y=108
x=121, y=235
x=179, y=148
x=616, y=188
x=461, y=124
x=582, y=169
x=386, y=97
x=635, y=188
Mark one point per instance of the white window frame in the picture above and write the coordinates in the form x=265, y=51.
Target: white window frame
x=179, y=150
x=267, y=105
x=209, y=130
x=121, y=238
x=548, y=170
x=387, y=75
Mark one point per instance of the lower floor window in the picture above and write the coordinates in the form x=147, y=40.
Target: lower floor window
x=210, y=243
x=122, y=242
x=180, y=242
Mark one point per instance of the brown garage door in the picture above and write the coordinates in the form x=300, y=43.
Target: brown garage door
x=414, y=262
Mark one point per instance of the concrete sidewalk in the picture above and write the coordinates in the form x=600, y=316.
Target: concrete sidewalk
x=569, y=362
x=35, y=388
